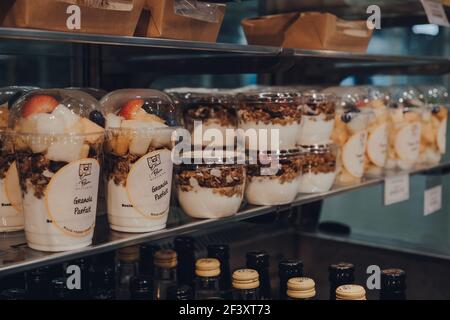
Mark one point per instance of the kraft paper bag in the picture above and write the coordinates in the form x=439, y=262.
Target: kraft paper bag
x=115, y=17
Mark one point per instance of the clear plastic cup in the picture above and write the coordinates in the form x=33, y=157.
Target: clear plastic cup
x=208, y=116
x=318, y=168
x=58, y=141
x=273, y=177
x=405, y=122
x=273, y=117
x=11, y=212
x=350, y=133
x=210, y=185
x=434, y=124
x=318, y=112
x=138, y=162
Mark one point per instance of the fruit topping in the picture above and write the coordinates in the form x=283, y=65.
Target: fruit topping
x=39, y=104
x=130, y=109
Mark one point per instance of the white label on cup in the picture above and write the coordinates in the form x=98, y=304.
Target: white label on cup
x=71, y=197
x=432, y=200
x=407, y=142
x=353, y=154
x=149, y=183
x=396, y=189
x=435, y=12
x=10, y=193
x=441, y=136
x=377, y=145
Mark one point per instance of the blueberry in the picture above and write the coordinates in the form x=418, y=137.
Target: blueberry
x=346, y=117
x=97, y=118
x=435, y=109
x=55, y=166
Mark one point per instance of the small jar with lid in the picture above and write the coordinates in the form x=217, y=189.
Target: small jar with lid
x=138, y=164
x=246, y=284
x=165, y=273
x=434, y=124
x=318, y=168
x=301, y=288
x=273, y=117
x=393, y=284
x=340, y=274
x=208, y=116
x=207, y=285
x=350, y=292
x=318, y=117
x=288, y=269
x=350, y=134
x=273, y=176
x=405, y=120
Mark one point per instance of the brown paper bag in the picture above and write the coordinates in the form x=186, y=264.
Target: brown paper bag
x=115, y=18
x=162, y=22
x=312, y=31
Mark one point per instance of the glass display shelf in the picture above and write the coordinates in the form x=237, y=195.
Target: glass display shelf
x=15, y=256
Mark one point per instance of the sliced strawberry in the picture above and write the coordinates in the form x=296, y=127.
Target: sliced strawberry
x=39, y=104
x=131, y=108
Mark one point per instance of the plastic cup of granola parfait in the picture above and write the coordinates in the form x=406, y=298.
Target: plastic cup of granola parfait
x=378, y=130
x=210, y=184
x=405, y=124
x=434, y=124
x=318, y=112
x=350, y=135
x=274, y=118
x=11, y=213
x=273, y=176
x=318, y=168
x=58, y=137
x=207, y=116
x=138, y=164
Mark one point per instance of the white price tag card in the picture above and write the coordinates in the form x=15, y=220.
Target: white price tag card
x=435, y=12
x=396, y=189
x=432, y=200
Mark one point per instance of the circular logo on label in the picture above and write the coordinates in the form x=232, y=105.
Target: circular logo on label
x=377, y=145
x=407, y=142
x=71, y=197
x=353, y=154
x=149, y=184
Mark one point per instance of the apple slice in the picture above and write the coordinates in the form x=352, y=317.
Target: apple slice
x=441, y=135
x=113, y=121
x=12, y=187
x=353, y=154
x=39, y=104
x=407, y=142
x=94, y=131
x=377, y=145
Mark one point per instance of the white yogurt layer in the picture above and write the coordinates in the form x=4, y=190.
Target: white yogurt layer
x=43, y=235
x=203, y=203
x=315, y=130
x=288, y=135
x=123, y=217
x=266, y=191
x=10, y=218
x=316, y=182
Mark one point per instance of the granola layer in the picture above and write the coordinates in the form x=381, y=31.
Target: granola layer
x=270, y=113
x=289, y=169
x=315, y=108
x=319, y=163
x=224, y=116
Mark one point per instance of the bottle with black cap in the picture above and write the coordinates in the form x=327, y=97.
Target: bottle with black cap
x=221, y=252
x=288, y=269
x=207, y=281
x=393, y=284
x=146, y=265
x=103, y=283
x=38, y=283
x=184, y=246
x=180, y=293
x=141, y=288
x=259, y=261
x=340, y=274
